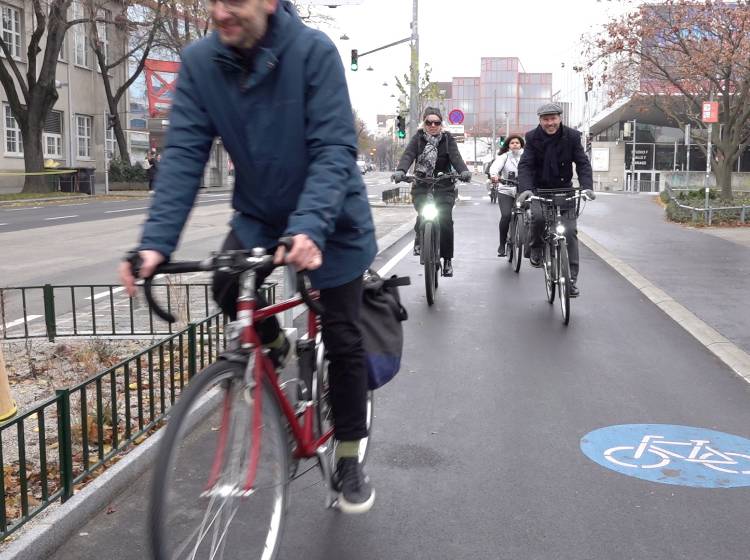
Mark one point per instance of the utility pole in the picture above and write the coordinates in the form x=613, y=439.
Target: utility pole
x=632, y=159
x=708, y=153
x=414, y=90
x=494, y=121
x=507, y=125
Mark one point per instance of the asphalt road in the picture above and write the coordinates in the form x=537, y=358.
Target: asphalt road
x=476, y=444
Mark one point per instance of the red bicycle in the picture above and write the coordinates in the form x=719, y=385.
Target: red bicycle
x=238, y=434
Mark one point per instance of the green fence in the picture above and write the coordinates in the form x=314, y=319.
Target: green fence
x=100, y=310
x=50, y=449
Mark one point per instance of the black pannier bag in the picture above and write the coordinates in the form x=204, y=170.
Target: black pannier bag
x=380, y=322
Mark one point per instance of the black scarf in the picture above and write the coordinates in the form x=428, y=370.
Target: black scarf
x=552, y=147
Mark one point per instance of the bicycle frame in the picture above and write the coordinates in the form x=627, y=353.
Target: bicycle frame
x=243, y=338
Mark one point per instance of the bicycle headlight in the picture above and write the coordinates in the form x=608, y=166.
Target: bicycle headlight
x=560, y=229
x=429, y=211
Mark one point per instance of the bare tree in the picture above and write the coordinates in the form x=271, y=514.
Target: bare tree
x=676, y=55
x=140, y=25
x=32, y=95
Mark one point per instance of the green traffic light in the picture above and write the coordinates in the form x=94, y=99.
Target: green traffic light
x=354, y=66
x=402, y=134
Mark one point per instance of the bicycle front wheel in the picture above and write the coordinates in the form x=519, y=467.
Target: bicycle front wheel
x=550, y=270
x=203, y=503
x=430, y=261
x=518, y=239
x=563, y=281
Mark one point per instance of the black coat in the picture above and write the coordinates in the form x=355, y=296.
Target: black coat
x=448, y=156
x=571, y=151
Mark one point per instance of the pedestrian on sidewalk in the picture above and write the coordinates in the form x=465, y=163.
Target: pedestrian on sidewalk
x=434, y=151
x=504, y=170
x=275, y=91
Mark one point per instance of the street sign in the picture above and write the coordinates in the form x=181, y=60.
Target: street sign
x=710, y=113
x=457, y=130
x=456, y=116
x=600, y=159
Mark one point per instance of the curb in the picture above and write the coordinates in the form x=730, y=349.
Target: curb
x=734, y=357
x=31, y=201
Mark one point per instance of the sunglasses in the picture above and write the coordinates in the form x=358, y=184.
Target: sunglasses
x=433, y=123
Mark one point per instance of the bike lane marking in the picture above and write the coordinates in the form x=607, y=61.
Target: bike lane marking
x=671, y=454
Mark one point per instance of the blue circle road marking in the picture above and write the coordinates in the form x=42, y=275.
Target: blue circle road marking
x=670, y=454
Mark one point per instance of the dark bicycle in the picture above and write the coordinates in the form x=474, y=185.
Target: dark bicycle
x=555, y=261
x=429, y=233
x=516, y=231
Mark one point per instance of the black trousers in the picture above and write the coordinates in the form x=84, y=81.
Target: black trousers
x=444, y=205
x=571, y=233
x=505, y=201
x=341, y=336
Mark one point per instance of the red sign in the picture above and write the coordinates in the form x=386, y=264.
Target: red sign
x=710, y=111
x=161, y=78
x=456, y=116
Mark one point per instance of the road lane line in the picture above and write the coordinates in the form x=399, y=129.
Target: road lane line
x=126, y=210
x=12, y=324
x=24, y=208
x=5, y=224
x=60, y=218
x=386, y=268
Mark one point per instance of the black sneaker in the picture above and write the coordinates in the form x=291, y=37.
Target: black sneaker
x=279, y=356
x=501, y=250
x=447, y=267
x=355, y=493
x=574, y=291
x=416, y=250
x=535, y=259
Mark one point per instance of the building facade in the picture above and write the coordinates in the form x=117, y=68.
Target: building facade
x=75, y=133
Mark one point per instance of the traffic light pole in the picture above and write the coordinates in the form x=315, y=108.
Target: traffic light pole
x=414, y=91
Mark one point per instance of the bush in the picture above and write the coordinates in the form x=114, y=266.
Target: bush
x=664, y=196
x=122, y=172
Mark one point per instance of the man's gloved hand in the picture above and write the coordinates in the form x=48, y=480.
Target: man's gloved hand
x=588, y=194
x=465, y=176
x=524, y=197
x=398, y=176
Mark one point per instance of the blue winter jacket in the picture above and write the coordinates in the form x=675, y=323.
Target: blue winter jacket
x=287, y=125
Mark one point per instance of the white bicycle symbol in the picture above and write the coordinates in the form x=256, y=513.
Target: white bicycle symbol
x=651, y=453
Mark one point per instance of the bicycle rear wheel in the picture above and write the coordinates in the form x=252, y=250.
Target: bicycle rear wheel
x=200, y=507
x=550, y=268
x=563, y=282
x=321, y=394
x=430, y=261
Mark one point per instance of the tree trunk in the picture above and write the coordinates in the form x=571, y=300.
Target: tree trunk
x=723, y=173
x=122, y=142
x=33, y=156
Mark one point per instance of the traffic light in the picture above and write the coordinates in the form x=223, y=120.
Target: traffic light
x=400, y=127
x=501, y=142
x=355, y=60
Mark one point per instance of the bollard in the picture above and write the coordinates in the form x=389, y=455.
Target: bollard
x=8, y=406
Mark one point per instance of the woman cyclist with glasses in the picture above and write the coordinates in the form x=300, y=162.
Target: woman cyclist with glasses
x=434, y=151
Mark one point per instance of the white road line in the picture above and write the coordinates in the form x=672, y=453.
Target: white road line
x=125, y=210
x=65, y=205
x=5, y=224
x=24, y=208
x=106, y=293
x=12, y=324
x=60, y=218
x=386, y=268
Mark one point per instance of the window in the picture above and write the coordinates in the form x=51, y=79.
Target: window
x=109, y=141
x=52, y=136
x=82, y=57
x=101, y=30
x=84, y=125
x=12, y=30
x=13, y=143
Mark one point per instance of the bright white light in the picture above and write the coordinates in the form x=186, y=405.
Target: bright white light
x=429, y=211
x=560, y=229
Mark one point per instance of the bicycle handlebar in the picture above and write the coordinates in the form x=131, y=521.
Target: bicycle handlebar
x=431, y=180
x=235, y=262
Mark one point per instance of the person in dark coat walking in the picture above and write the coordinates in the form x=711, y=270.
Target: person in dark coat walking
x=547, y=163
x=153, y=165
x=275, y=91
x=434, y=151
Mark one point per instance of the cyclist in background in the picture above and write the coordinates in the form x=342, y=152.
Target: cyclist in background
x=434, y=151
x=504, y=169
x=547, y=163
x=295, y=159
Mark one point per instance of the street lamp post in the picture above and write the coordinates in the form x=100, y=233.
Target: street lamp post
x=414, y=90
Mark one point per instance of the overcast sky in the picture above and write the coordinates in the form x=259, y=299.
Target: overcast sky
x=454, y=35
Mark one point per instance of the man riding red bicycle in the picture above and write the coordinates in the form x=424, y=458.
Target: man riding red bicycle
x=275, y=91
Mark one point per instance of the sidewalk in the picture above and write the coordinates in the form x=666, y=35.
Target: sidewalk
x=697, y=276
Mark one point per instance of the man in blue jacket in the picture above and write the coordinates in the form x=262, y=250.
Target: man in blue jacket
x=547, y=163
x=275, y=92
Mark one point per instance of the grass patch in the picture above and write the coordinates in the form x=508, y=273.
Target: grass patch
x=28, y=196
